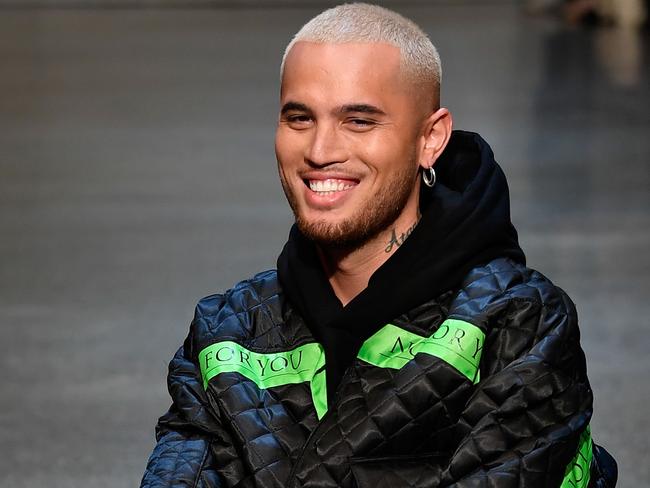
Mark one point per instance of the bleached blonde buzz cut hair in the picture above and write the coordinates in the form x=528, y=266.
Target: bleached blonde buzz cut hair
x=365, y=23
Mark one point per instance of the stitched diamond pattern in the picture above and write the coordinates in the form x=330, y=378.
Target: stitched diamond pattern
x=424, y=425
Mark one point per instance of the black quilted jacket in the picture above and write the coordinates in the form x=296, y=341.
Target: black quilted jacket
x=465, y=371
x=484, y=386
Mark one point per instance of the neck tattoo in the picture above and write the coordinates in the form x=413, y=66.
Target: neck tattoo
x=396, y=241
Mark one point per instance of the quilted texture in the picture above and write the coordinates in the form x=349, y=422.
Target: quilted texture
x=424, y=425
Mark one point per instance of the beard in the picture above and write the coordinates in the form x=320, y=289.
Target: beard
x=374, y=215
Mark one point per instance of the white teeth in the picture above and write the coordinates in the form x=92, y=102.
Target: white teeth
x=327, y=187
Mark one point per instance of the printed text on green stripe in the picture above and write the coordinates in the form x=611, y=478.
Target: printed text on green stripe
x=457, y=342
x=578, y=471
x=302, y=364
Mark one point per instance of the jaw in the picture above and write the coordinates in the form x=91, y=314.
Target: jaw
x=348, y=208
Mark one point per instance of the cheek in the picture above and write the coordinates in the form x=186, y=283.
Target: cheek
x=285, y=150
x=281, y=158
x=388, y=152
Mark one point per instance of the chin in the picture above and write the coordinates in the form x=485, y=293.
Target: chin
x=346, y=234
x=353, y=225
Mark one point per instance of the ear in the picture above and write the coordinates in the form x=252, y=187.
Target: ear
x=434, y=139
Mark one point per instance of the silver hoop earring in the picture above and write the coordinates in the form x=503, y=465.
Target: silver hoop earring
x=429, y=176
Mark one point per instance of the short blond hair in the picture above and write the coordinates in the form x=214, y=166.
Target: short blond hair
x=365, y=23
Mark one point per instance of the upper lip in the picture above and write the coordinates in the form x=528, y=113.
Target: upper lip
x=329, y=175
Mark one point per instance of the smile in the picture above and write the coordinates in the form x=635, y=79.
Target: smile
x=329, y=186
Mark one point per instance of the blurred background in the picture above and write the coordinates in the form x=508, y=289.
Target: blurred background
x=137, y=175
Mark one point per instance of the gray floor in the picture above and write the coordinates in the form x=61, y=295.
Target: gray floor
x=137, y=175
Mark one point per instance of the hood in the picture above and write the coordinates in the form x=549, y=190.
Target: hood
x=465, y=223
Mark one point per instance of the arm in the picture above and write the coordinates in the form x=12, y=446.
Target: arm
x=526, y=424
x=192, y=447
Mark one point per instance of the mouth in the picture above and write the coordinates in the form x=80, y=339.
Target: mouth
x=330, y=186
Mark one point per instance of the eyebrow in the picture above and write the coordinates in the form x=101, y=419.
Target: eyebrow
x=298, y=107
x=345, y=109
x=361, y=108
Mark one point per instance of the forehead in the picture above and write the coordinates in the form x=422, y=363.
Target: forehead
x=347, y=71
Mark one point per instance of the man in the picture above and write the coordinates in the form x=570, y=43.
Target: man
x=402, y=342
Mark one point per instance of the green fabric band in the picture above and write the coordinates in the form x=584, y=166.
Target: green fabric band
x=456, y=342
x=266, y=370
x=578, y=471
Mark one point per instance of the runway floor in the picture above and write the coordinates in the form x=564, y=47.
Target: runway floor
x=137, y=174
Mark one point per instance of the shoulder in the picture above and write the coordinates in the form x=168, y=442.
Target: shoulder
x=503, y=287
x=521, y=312
x=245, y=310
x=245, y=295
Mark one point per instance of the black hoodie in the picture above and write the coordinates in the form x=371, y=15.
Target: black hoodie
x=465, y=223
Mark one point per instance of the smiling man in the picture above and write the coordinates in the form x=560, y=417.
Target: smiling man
x=402, y=341
x=350, y=143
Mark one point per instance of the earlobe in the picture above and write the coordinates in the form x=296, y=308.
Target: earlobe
x=436, y=137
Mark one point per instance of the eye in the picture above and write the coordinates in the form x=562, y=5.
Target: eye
x=298, y=121
x=360, y=125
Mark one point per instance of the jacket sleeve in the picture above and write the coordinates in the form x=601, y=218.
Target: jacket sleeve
x=192, y=449
x=526, y=425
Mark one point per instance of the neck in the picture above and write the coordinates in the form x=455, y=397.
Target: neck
x=349, y=271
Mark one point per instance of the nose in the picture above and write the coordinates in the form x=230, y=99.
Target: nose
x=326, y=146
